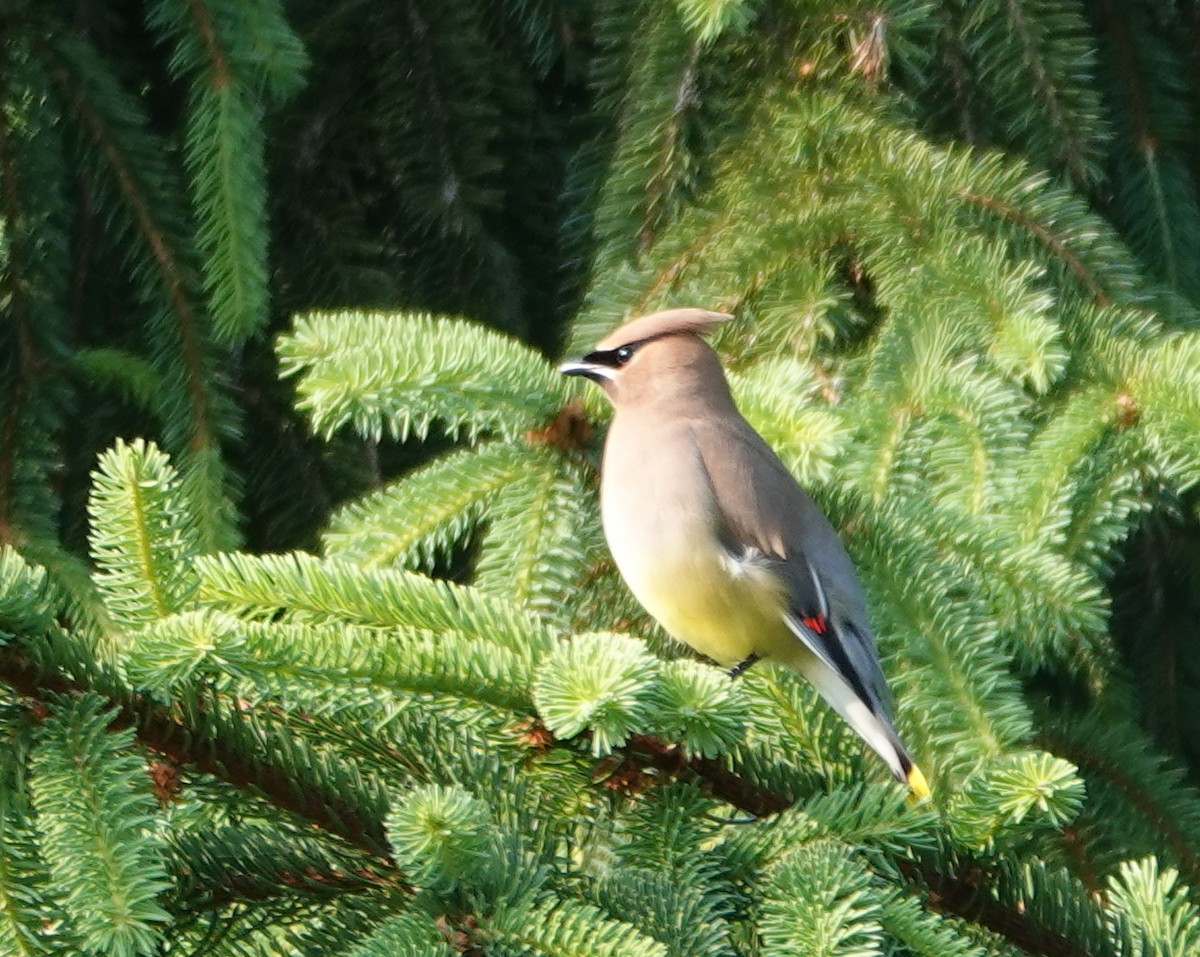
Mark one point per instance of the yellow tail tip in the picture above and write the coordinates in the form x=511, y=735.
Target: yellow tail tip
x=917, y=784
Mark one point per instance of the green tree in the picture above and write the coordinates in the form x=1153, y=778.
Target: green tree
x=959, y=242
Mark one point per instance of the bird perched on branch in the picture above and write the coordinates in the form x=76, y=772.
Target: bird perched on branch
x=713, y=535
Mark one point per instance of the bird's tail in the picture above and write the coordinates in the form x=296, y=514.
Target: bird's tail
x=907, y=772
x=917, y=783
x=875, y=729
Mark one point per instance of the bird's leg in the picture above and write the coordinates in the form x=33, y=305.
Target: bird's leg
x=742, y=666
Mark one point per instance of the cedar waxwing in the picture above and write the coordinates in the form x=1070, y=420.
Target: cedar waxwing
x=713, y=535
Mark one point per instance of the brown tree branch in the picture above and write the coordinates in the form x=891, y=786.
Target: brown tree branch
x=164, y=732
x=1044, y=235
x=966, y=896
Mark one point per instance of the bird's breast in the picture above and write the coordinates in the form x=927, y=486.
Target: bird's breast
x=662, y=526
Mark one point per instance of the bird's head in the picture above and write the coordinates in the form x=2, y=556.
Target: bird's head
x=660, y=355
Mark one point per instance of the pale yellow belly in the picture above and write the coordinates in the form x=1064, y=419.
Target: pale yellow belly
x=724, y=616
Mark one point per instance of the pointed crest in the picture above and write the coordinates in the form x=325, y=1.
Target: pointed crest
x=665, y=323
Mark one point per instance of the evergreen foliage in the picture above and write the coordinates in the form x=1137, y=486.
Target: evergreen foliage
x=92, y=800
x=310, y=642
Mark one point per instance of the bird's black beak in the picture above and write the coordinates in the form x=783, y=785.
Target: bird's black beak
x=590, y=370
x=575, y=367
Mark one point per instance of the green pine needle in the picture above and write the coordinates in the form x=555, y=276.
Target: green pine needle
x=602, y=683
x=96, y=831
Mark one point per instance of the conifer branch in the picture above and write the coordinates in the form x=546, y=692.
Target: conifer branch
x=18, y=385
x=968, y=896
x=1118, y=29
x=722, y=783
x=1004, y=391
x=161, y=730
x=451, y=186
x=1077, y=851
x=666, y=275
x=9, y=425
x=224, y=155
x=215, y=55
x=165, y=257
x=1150, y=149
x=965, y=895
x=659, y=186
x=950, y=33
x=413, y=522
x=33, y=280
x=1055, y=245
x=1095, y=763
x=246, y=886
x=1071, y=151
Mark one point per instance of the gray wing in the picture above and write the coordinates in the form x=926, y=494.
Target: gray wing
x=767, y=517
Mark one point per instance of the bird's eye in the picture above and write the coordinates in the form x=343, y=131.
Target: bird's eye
x=624, y=354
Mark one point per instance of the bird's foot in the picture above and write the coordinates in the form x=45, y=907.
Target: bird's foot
x=742, y=667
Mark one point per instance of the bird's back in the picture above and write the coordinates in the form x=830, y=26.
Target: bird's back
x=763, y=508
